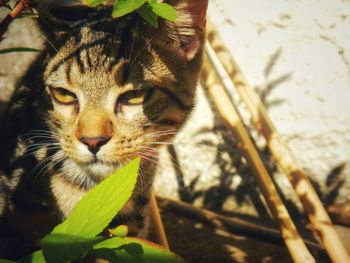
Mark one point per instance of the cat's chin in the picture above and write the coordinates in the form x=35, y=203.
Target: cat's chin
x=100, y=169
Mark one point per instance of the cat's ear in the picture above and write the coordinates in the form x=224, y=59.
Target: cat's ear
x=58, y=17
x=188, y=32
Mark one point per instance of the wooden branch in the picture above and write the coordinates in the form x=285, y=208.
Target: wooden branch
x=159, y=233
x=281, y=152
x=225, y=107
x=4, y=24
x=232, y=225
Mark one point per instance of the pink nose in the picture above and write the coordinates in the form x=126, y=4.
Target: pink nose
x=94, y=143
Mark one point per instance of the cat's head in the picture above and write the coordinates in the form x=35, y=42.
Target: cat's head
x=120, y=88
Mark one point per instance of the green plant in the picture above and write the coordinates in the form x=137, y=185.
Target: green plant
x=79, y=235
x=149, y=10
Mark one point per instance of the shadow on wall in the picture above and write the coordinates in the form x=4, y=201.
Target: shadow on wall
x=214, y=198
x=265, y=89
x=247, y=192
x=334, y=181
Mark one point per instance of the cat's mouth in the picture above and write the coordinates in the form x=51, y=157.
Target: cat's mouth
x=99, y=168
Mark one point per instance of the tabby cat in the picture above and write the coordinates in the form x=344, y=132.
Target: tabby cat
x=102, y=92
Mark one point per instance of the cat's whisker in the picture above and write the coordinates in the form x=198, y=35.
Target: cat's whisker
x=134, y=38
x=159, y=136
x=141, y=179
x=152, y=136
x=173, y=160
x=29, y=135
x=43, y=162
x=55, y=158
x=50, y=138
x=148, y=157
x=41, y=132
x=48, y=41
x=43, y=144
x=148, y=42
x=146, y=147
x=164, y=131
x=53, y=46
x=160, y=143
x=32, y=151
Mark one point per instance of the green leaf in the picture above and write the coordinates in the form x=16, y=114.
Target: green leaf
x=146, y=13
x=155, y=253
x=100, y=205
x=140, y=251
x=105, y=253
x=124, y=7
x=113, y=242
x=119, y=231
x=93, y=3
x=133, y=249
x=36, y=257
x=19, y=49
x=164, y=10
x=59, y=248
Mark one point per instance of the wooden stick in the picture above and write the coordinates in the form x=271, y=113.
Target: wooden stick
x=281, y=152
x=230, y=224
x=157, y=223
x=225, y=107
x=11, y=16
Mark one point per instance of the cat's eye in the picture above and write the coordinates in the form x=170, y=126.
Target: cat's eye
x=134, y=97
x=63, y=96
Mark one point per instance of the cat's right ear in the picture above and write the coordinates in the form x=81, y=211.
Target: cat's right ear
x=188, y=31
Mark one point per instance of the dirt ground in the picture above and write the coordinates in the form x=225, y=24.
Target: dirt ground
x=198, y=242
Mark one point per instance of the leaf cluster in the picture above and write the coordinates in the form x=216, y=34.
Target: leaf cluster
x=149, y=10
x=79, y=235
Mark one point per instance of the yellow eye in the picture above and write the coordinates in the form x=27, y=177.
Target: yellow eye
x=63, y=96
x=133, y=97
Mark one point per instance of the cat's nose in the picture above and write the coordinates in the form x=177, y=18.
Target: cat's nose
x=94, y=143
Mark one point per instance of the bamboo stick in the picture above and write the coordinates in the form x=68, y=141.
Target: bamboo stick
x=281, y=152
x=159, y=232
x=225, y=107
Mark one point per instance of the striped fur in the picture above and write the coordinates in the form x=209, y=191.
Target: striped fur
x=46, y=164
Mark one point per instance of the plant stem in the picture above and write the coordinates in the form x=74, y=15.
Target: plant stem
x=157, y=223
x=4, y=24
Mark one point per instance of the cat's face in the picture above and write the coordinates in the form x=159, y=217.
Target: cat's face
x=121, y=88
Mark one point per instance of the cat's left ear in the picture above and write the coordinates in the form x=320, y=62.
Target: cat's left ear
x=188, y=32
x=58, y=17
